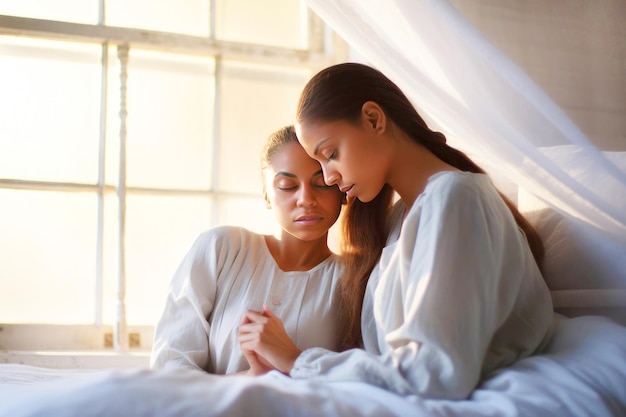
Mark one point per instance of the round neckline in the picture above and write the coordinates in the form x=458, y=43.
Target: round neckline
x=306, y=271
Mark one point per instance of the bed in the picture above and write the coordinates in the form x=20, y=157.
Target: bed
x=572, y=191
x=581, y=373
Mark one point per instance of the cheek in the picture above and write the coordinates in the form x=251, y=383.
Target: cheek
x=363, y=163
x=281, y=202
x=347, y=166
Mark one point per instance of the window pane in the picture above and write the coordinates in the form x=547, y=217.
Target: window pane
x=247, y=212
x=256, y=101
x=189, y=17
x=77, y=11
x=50, y=105
x=159, y=232
x=47, y=257
x=268, y=22
x=170, y=120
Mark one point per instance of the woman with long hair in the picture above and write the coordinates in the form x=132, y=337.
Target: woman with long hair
x=441, y=287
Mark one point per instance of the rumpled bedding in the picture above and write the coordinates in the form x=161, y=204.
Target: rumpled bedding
x=581, y=373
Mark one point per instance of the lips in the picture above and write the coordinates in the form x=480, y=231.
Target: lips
x=309, y=218
x=346, y=189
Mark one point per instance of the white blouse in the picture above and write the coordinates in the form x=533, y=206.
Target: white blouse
x=227, y=271
x=456, y=296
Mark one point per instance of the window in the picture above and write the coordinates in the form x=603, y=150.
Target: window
x=127, y=128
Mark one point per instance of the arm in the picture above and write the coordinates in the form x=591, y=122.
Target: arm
x=182, y=333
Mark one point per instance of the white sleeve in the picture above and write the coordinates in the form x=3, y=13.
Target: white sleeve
x=440, y=301
x=181, y=336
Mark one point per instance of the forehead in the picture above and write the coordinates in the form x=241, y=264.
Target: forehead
x=291, y=158
x=310, y=133
x=305, y=130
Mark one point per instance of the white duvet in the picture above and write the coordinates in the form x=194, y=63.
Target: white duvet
x=582, y=373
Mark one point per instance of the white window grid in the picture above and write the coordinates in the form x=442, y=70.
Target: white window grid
x=324, y=48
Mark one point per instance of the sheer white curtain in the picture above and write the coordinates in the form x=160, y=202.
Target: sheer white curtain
x=486, y=106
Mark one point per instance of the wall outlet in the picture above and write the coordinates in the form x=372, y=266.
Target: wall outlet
x=108, y=340
x=134, y=340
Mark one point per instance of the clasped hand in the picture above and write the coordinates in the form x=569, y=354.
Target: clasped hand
x=265, y=343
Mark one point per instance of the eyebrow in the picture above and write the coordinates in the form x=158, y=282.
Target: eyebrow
x=317, y=147
x=284, y=173
x=290, y=175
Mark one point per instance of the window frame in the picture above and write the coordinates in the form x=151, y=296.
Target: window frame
x=325, y=48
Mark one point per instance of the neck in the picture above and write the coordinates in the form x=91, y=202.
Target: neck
x=293, y=254
x=411, y=167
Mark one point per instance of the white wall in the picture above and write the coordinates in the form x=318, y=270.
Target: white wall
x=574, y=50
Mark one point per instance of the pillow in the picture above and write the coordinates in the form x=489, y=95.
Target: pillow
x=579, y=255
x=584, y=267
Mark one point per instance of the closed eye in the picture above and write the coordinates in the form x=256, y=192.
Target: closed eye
x=288, y=188
x=285, y=181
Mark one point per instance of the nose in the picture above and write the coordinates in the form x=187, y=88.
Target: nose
x=306, y=196
x=331, y=177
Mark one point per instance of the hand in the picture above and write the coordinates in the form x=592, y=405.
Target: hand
x=263, y=334
x=258, y=366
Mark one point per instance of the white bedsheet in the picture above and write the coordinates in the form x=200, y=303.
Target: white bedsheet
x=582, y=373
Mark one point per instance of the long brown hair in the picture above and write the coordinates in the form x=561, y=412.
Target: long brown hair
x=338, y=93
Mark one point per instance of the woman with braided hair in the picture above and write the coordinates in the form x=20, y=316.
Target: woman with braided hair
x=442, y=287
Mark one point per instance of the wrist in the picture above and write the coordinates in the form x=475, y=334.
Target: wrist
x=290, y=362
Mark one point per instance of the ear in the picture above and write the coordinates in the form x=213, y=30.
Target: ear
x=374, y=116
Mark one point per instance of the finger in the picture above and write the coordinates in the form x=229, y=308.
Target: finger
x=268, y=313
x=244, y=337
x=250, y=356
x=255, y=316
x=253, y=362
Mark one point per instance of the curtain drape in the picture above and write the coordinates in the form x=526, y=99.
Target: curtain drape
x=485, y=104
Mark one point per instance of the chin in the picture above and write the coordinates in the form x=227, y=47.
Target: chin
x=309, y=236
x=364, y=199
x=367, y=198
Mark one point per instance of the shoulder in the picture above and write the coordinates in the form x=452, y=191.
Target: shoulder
x=335, y=262
x=228, y=232
x=454, y=200
x=462, y=190
x=458, y=183
x=227, y=236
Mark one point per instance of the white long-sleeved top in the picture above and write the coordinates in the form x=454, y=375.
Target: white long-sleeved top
x=227, y=271
x=456, y=295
